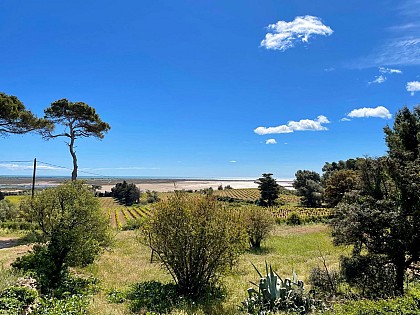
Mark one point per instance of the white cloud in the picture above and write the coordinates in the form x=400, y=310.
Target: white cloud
x=233, y=161
x=382, y=78
x=380, y=112
x=378, y=79
x=285, y=35
x=402, y=51
x=388, y=70
x=301, y=125
x=27, y=167
x=413, y=86
x=121, y=168
x=270, y=141
x=345, y=119
x=329, y=69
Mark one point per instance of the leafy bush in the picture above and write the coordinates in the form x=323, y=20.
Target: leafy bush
x=74, y=231
x=294, y=219
x=152, y=196
x=17, y=225
x=259, y=222
x=17, y=299
x=325, y=281
x=275, y=294
x=195, y=238
x=372, y=275
x=152, y=296
x=8, y=211
x=72, y=305
x=125, y=193
x=406, y=305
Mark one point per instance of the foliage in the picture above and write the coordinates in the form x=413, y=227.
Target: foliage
x=372, y=275
x=330, y=168
x=79, y=120
x=74, y=231
x=406, y=305
x=308, y=185
x=72, y=305
x=125, y=193
x=16, y=299
x=152, y=196
x=195, y=238
x=325, y=281
x=259, y=222
x=133, y=224
x=381, y=221
x=16, y=119
x=294, y=218
x=8, y=211
x=275, y=294
x=152, y=296
x=339, y=183
x=269, y=189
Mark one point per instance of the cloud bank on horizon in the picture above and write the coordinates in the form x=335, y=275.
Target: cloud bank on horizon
x=284, y=35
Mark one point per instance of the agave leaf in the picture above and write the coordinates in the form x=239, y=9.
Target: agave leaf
x=256, y=270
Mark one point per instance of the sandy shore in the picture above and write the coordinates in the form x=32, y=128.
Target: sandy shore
x=160, y=185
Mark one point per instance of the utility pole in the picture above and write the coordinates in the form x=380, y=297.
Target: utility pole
x=33, y=179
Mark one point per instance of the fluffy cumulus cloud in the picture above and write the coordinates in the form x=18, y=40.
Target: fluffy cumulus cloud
x=301, y=125
x=413, y=87
x=270, y=141
x=365, y=112
x=284, y=35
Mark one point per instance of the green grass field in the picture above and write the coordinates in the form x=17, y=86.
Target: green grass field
x=288, y=249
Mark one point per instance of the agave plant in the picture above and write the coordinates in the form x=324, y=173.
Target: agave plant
x=275, y=294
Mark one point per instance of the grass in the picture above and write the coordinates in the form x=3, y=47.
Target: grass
x=288, y=249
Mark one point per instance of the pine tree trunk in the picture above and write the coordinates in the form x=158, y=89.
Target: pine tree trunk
x=73, y=155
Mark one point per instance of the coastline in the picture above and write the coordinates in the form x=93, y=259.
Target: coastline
x=10, y=183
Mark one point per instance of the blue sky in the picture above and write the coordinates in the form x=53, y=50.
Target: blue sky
x=211, y=88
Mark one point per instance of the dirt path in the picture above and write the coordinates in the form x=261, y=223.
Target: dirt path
x=8, y=242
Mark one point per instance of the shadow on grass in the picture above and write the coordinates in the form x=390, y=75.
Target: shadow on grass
x=259, y=251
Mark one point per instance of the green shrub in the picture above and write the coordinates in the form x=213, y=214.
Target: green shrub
x=258, y=222
x=17, y=225
x=325, y=282
x=8, y=211
x=294, y=219
x=17, y=299
x=152, y=296
x=405, y=305
x=195, y=238
x=74, y=231
x=371, y=275
x=72, y=305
